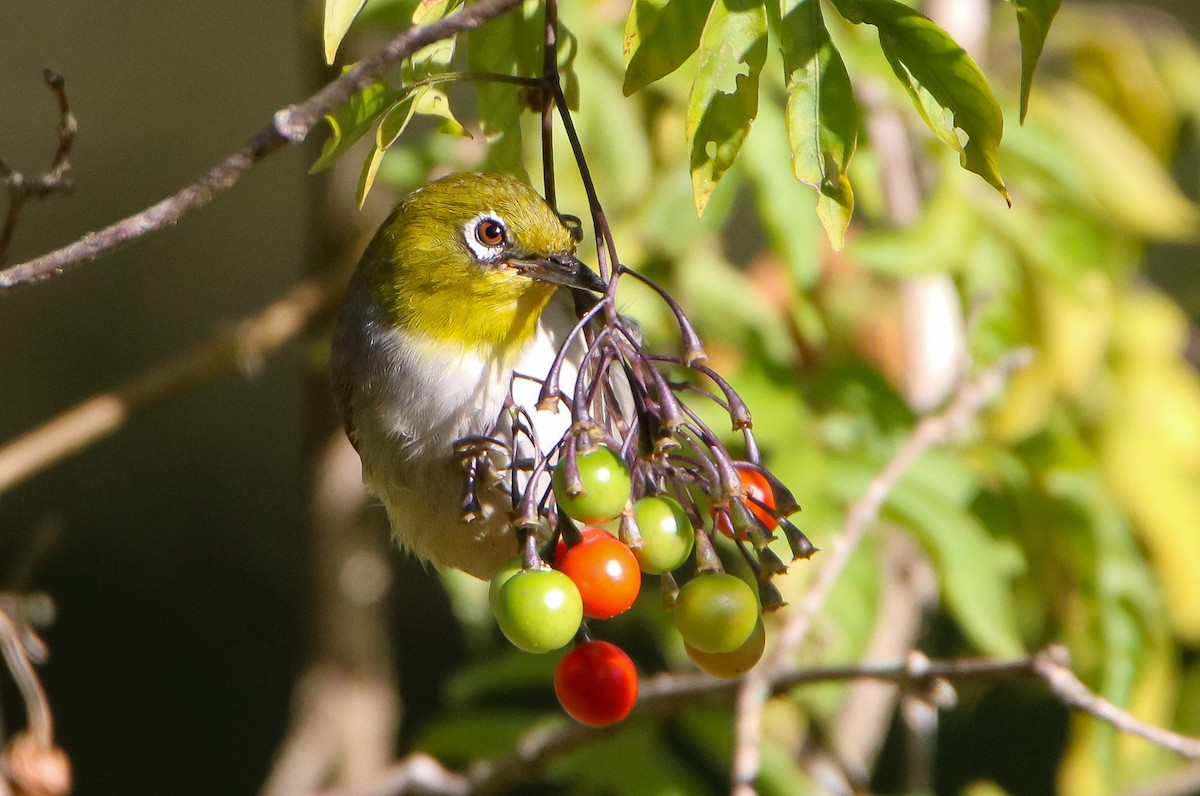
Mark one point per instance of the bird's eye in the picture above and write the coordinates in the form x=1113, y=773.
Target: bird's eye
x=489, y=232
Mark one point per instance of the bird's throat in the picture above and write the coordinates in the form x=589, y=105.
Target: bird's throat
x=494, y=329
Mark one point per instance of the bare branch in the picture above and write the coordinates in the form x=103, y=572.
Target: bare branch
x=289, y=125
x=933, y=430
x=1051, y=666
x=241, y=348
x=671, y=692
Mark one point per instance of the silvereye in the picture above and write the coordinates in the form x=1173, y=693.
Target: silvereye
x=458, y=290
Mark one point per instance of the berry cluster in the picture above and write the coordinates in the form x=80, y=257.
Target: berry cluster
x=641, y=461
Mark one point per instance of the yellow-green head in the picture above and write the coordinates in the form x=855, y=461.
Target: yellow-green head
x=472, y=259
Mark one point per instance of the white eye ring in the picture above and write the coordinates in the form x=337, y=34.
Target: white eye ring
x=486, y=235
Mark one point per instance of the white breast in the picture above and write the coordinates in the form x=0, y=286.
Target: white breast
x=418, y=400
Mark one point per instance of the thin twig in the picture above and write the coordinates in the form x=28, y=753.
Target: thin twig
x=243, y=348
x=670, y=692
x=931, y=431
x=1051, y=667
x=289, y=125
x=56, y=180
x=549, y=77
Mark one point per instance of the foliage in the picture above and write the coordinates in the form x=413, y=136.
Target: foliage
x=1071, y=514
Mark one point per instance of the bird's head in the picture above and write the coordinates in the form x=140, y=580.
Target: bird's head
x=471, y=260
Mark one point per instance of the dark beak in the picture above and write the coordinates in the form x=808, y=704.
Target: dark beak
x=562, y=268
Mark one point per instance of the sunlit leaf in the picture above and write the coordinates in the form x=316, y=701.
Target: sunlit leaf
x=394, y=121
x=390, y=15
x=724, y=97
x=822, y=117
x=433, y=57
x=1033, y=22
x=944, y=82
x=659, y=36
x=352, y=120
x=338, y=16
x=366, y=177
x=432, y=101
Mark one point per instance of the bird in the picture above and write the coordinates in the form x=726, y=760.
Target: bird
x=461, y=299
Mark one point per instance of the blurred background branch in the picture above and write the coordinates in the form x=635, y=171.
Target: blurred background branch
x=290, y=125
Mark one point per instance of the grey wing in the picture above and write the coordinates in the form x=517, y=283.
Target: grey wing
x=343, y=400
x=348, y=354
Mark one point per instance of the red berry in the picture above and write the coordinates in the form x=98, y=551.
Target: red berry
x=596, y=683
x=587, y=532
x=606, y=572
x=754, y=485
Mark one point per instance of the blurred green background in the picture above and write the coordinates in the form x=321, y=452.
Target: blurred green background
x=181, y=568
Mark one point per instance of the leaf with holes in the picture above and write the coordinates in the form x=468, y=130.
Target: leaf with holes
x=724, y=98
x=945, y=83
x=659, y=36
x=822, y=117
x=1033, y=24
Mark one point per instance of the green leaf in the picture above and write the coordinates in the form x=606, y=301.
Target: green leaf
x=352, y=120
x=659, y=36
x=510, y=45
x=338, y=16
x=366, y=177
x=433, y=57
x=945, y=84
x=822, y=117
x=724, y=98
x=974, y=586
x=463, y=738
x=780, y=198
x=637, y=761
x=394, y=121
x=390, y=127
x=429, y=61
x=1033, y=23
x=432, y=101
